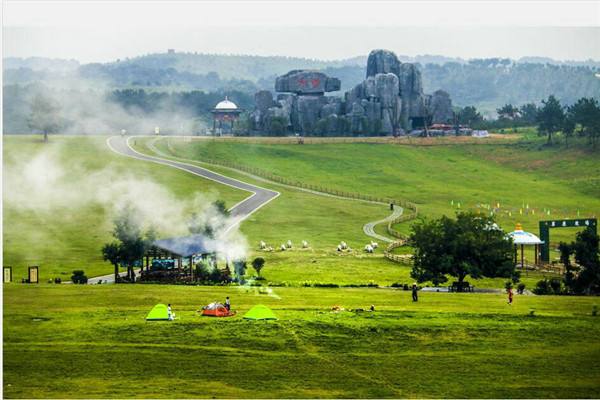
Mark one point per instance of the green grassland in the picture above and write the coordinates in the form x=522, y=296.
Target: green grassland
x=525, y=173
x=446, y=345
x=71, y=341
x=323, y=221
x=63, y=237
x=69, y=238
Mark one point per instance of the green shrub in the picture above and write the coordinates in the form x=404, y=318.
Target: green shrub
x=556, y=285
x=79, y=277
x=548, y=286
x=542, y=287
x=521, y=288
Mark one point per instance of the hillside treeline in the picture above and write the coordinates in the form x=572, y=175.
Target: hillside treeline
x=484, y=83
x=110, y=111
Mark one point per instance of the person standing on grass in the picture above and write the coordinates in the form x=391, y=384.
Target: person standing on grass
x=169, y=313
x=415, y=295
x=227, y=304
x=510, y=295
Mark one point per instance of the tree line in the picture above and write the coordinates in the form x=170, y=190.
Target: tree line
x=582, y=118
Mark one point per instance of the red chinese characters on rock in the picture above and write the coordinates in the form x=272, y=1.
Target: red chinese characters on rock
x=314, y=83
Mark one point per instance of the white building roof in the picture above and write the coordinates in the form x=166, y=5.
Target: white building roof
x=226, y=105
x=519, y=236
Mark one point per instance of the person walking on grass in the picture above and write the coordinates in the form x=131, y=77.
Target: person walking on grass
x=510, y=295
x=415, y=295
x=227, y=304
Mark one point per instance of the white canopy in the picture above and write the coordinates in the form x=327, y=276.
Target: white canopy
x=519, y=236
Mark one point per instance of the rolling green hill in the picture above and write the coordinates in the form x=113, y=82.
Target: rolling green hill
x=526, y=179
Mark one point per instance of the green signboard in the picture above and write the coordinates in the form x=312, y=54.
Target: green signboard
x=545, y=227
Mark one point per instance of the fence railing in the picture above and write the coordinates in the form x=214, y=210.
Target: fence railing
x=401, y=140
x=399, y=258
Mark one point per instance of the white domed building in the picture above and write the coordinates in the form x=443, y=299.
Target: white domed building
x=225, y=113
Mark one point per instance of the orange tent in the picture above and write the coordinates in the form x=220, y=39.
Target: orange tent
x=216, y=310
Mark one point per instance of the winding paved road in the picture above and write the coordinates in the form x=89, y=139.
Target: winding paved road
x=239, y=212
x=242, y=210
x=369, y=227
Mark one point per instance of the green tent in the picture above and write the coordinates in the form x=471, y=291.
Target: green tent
x=260, y=312
x=158, y=313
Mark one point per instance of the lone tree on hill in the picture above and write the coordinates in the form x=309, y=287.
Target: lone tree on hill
x=44, y=115
x=468, y=245
x=550, y=117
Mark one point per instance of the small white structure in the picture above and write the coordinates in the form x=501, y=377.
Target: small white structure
x=480, y=134
x=368, y=248
x=304, y=244
x=282, y=247
x=522, y=238
x=289, y=244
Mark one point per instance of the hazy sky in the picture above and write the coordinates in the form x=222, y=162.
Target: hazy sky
x=103, y=31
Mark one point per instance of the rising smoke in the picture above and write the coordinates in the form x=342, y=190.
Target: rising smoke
x=88, y=108
x=51, y=180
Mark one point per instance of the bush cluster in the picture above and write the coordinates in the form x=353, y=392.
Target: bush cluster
x=79, y=277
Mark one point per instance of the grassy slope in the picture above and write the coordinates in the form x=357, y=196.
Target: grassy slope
x=324, y=222
x=563, y=181
x=63, y=238
x=443, y=346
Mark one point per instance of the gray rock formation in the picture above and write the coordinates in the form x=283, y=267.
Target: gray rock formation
x=263, y=100
x=440, y=107
x=306, y=82
x=382, y=62
x=391, y=98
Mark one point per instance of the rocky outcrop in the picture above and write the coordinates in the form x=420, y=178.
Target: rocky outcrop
x=388, y=101
x=382, y=62
x=440, y=107
x=304, y=82
x=263, y=100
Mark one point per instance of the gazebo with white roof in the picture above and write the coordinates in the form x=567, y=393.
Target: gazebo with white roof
x=225, y=111
x=522, y=238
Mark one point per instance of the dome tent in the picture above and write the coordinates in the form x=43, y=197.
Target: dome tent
x=216, y=310
x=260, y=312
x=158, y=313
